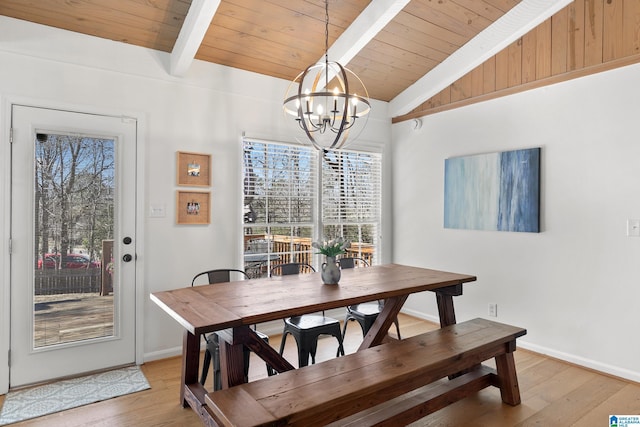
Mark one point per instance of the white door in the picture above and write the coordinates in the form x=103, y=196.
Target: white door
x=73, y=182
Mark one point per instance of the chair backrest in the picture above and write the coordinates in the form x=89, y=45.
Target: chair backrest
x=291, y=268
x=219, y=275
x=352, y=262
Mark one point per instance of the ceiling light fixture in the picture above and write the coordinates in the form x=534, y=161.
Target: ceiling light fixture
x=328, y=116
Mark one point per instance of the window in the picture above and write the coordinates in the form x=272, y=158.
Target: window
x=288, y=203
x=351, y=200
x=279, y=201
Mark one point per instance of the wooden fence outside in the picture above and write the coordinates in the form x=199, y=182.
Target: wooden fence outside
x=72, y=281
x=285, y=249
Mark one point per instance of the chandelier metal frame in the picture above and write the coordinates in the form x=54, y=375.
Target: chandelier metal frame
x=318, y=109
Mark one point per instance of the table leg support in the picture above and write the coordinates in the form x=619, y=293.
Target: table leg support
x=231, y=364
x=266, y=352
x=383, y=322
x=445, y=309
x=190, y=362
x=447, y=313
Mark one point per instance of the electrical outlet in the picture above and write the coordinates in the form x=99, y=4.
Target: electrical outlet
x=493, y=310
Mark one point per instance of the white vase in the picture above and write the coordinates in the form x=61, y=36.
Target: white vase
x=330, y=271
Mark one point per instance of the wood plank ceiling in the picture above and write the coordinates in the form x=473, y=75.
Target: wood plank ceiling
x=405, y=51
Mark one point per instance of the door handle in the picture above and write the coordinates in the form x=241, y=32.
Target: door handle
x=127, y=257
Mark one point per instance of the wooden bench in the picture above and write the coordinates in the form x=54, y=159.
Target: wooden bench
x=354, y=388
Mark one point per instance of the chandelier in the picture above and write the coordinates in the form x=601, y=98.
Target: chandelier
x=328, y=101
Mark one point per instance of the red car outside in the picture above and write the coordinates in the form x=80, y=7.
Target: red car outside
x=69, y=261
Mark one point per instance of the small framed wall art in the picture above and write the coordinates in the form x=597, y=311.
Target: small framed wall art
x=193, y=207
x=193, y=169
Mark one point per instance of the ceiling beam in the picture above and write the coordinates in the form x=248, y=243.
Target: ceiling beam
x=363, y=29
x=192, y=33
x=521, y=19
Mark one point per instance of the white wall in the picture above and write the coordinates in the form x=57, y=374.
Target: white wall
x=575, y=285
x=206, y=111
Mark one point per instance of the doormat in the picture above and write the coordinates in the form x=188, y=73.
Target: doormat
x=66, y=394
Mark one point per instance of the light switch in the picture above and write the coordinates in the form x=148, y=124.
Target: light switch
x=156, y=211
x=633, y=227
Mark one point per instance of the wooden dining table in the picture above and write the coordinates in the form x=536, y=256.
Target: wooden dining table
x=229, y=309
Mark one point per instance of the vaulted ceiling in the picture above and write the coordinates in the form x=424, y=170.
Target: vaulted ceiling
x=405, y=51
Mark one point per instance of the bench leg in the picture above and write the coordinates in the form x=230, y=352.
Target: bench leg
x=509, y=390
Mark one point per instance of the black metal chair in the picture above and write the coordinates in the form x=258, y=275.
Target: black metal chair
x=291, y=268
x=352, y=262
x=365, y=313
x=307, y=328
x=212, y=351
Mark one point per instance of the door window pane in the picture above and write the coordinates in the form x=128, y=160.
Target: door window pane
x=73, y=224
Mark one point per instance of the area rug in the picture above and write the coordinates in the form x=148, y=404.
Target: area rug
x=66, y=394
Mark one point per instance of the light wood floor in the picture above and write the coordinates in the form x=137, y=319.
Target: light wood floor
x=554, y=393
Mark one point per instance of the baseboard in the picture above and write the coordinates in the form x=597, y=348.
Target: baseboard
x=583, y=362
x=566, y=357
x=421, y=315
x=163, y=354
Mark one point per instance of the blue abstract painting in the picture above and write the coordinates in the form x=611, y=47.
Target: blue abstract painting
x=495, y=191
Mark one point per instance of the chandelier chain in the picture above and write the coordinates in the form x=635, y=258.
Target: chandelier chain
x=326, y=31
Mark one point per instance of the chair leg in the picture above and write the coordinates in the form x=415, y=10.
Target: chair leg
x=340, y=351
x=270, y=370
x=303, y=351
x=284, y=340
x=205, y=366
x=246, y=354
x=217, y=378
x=397, y=327
x=366, y=324
x=303, y=356
x=314, y=349
x=344, y=327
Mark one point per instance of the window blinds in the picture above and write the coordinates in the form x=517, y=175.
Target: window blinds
x=279, y=183
x=350, y=187
x=351, y=194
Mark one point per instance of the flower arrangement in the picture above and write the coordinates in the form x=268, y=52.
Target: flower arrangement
x=332, y=248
